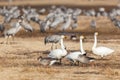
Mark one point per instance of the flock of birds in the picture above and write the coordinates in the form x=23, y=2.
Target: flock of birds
x=55, y=17
x=63, y=18
x=56, y=55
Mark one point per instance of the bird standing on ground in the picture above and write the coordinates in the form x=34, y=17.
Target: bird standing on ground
x=26, y=26
x=12, y=31
x=101, y=51
x=54, y=39
x=93, y=24
x=58, y=53
x=67, y=22
x=2, y=27
x=74, y=56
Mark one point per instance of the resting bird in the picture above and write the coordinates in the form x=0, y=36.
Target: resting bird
x=46, y=61
x=85, y=59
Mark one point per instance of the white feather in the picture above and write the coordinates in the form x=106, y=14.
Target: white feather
x=58, y=53
x=101, y=51
x=74, y=55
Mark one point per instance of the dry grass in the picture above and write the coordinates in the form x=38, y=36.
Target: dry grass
x=63, y=2
x=18, y=61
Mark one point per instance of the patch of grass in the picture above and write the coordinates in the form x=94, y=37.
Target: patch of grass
x=110, y=72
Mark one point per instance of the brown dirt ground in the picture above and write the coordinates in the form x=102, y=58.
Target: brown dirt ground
x=62, y=2
x=18, y=61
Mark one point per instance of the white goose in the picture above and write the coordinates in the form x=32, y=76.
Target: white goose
x=73, y=56
x=101, y=51
x=58, y=53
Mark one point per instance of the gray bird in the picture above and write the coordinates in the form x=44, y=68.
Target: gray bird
x=47, y=61
x=85, y=59
x=26, y=26
x=44, y=25
x=2, y=27
x=93, y=24
x=74, y=24
x=52, y=39
x=12, y=31
x=42, y=11
x=67, y=22
x=35, y=19
x=116, y=22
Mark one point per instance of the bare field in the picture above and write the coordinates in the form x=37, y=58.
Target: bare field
x=62, y=2
x=18, y=61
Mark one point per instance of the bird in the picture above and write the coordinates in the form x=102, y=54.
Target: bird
x=26, y=26
x=66, y=23
x=93, y=24
x=44, y=25
x=2, y=27
x=42, y=11
x=46, y=61
x=12, y=31
x=74, y=24
x=115, y=21
x=59, y=53
x=85, y=59
x=73, y=37
x=73, y=56
x=54, y=39
x=100, y=51
x=58, y=18
x=81, y=45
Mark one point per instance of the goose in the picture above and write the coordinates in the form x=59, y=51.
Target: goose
x=46, y=61
x=73, y=56
x=85, y=59
x=101, y=51
x=58, y=53
x=73, y=37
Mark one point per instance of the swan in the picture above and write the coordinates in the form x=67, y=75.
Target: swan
x=59, y=53
x=73, y=56
x=81, y=45
x=101, y=51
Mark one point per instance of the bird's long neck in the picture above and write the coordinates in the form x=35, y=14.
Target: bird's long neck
x=81, y=46
x=95, y=42
x=18, y=27
x=62, y=45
